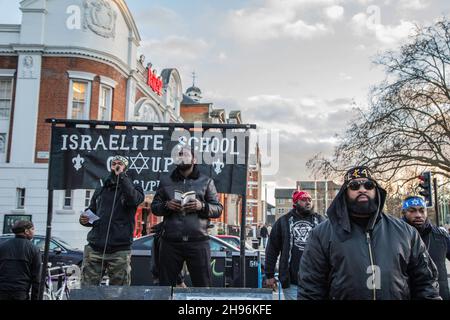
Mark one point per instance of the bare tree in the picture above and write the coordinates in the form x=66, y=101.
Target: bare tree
x=407, y=125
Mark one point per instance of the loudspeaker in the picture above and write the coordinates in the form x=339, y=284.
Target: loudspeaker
x=252, y=269
x=121, y=293
x=222, y=294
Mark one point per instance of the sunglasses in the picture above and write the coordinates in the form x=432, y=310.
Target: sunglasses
x=356, y=185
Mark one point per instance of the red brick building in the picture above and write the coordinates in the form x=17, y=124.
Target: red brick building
x=64, y=61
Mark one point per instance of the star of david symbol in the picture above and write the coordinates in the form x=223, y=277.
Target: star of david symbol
x=415, y=202
x=144, y=163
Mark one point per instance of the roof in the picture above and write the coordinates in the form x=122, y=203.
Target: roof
x=187, y=100
x=217, y=113
x=195, y=89
x=166, y=73
x=129, y=20
x=284, y=193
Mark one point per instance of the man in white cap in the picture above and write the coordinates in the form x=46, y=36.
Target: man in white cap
x=109, y=241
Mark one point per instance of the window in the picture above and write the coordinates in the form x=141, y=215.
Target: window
x=79, y=101
x=5, y=97
x=87, y=199
x=67, y=199
x=20, y=198
x=2, y=142
x=104, y=106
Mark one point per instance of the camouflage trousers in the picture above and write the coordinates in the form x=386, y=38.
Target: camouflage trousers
x=116, y=265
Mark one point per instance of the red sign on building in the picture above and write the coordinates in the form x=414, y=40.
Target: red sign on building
x=154, y=82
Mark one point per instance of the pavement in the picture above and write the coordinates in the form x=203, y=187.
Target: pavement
x=448, y=271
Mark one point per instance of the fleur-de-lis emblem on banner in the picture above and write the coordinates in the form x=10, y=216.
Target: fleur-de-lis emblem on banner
x=218, y=166
x=78, y=162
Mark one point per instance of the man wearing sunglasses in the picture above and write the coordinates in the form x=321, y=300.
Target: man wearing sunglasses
x=111, y=236
x=436, y=240
x=361, y=253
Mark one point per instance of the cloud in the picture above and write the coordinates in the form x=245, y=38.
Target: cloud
x=414, y=4
x=306, y=126
x=222, y=56
x=280, y=19
x=156, y=15
x=388, y=35
x=175, y=49
x=344, y=76
x=334, y=12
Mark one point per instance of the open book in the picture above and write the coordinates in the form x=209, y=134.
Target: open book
x=184, y=197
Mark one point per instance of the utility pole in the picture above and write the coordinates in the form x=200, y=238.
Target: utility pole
x=436, y=205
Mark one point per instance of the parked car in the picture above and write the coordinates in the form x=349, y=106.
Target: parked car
x=60, y=252
x=224, y=263
x=235, y=241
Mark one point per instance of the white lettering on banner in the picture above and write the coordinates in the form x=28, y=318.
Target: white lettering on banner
x=64, y=146
x=100, y=141
x=148, y=186
x=135, y=140
x=140, y=163
x=122, y=144
x=210, y=144
x=85, y=142
x=115, y=142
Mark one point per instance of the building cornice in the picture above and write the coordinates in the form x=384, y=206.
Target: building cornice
x=10, y=28
x=34, y=10
x=26, y=48
x=81, y=75
x=7, y=72
x=108, y=81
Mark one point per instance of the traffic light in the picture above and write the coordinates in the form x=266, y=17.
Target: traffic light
x=425, y=184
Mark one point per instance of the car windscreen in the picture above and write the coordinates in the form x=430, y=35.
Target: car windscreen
x=65, y=244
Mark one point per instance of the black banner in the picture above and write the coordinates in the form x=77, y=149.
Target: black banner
x=80, y=157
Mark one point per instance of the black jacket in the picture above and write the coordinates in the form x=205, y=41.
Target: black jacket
x=280, y=241
x=264, y=232
x=336, y=263
x=190, y=226
x=20, y=266
x=128, y=197
x=437, y=242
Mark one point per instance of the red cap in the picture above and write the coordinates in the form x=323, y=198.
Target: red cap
x=299, y=195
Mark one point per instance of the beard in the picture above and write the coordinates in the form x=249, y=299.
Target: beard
x=184, y=166
x=366, y=208
x=303, y=211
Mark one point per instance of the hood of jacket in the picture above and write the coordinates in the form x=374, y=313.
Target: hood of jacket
x=338, y=210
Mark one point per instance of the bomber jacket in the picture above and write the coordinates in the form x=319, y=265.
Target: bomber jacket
x=192, y=226
x=387, y=261
x=126, y=201
x=20, y=265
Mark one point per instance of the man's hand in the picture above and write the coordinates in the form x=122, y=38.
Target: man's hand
x=272, y=283
x=193, y=205
x=119, y=169
x=174, y=205
x=84, y=219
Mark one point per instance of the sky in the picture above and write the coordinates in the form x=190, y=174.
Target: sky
x=295, y=68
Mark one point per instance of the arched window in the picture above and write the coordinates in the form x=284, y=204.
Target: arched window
x=147, y=112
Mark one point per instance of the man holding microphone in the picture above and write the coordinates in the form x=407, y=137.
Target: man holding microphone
x=109, y=242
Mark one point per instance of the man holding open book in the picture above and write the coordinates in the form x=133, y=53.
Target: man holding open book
x=187, y=199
